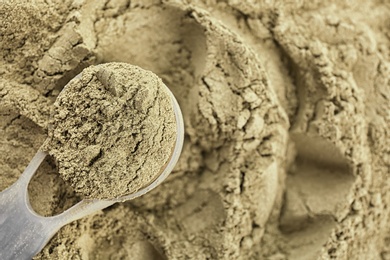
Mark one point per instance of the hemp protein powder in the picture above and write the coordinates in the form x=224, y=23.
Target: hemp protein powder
x=112, y=130
x=286, y=111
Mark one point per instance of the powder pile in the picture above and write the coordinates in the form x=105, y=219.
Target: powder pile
x=113, y=130
x=286, y=111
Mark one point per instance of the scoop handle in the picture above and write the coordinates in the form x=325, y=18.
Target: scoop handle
x=23, y=233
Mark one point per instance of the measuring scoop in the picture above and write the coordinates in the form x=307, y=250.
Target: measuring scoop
x=23, y=233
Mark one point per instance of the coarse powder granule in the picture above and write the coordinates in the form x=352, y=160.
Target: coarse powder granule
x=112, y=131
x=248, y=185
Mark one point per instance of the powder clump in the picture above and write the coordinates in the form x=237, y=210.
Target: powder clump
x=112, y=130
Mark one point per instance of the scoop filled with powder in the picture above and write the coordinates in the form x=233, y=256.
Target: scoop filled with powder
x=113, y=130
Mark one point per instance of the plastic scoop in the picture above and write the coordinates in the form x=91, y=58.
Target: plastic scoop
x=23, y=233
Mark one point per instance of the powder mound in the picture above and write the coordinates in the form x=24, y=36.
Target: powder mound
x=112, y=130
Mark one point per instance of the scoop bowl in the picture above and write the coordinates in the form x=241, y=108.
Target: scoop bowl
x=23, y=232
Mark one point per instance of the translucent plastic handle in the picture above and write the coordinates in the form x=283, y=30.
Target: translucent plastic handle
x=23, y=233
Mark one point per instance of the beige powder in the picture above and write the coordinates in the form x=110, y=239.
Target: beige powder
x=112, y=130
x=251, y=183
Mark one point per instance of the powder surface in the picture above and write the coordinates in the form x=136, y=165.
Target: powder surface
x=112, y=130
x=286, y=111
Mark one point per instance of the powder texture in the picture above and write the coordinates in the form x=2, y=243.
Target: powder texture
x=285, y=104
x=112, y=130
